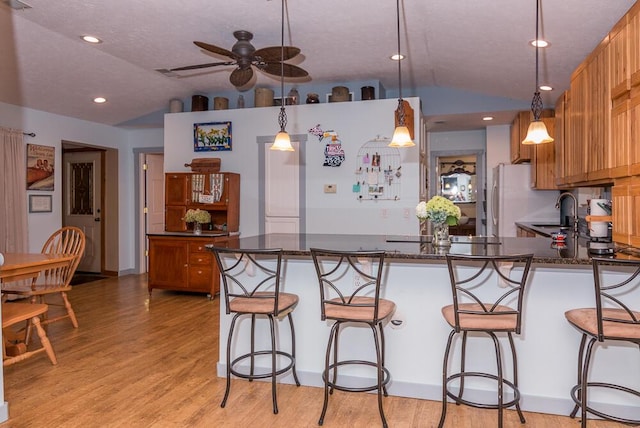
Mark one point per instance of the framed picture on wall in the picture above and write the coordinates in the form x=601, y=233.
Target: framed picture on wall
x=40, y=203
x=40, y=167
x=212, y=136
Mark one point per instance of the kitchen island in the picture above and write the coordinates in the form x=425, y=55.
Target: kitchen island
x=416, y=279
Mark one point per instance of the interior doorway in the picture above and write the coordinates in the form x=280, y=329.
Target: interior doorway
x=101, y=194
x=149, y=194
x=460, y=176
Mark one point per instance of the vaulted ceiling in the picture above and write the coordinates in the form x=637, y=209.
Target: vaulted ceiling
x=476, y=46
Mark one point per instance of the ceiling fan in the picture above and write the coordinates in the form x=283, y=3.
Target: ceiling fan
x=245, y=57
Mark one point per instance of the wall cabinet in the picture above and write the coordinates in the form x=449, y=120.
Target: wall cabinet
x=183, y=263
x=183, y=190
x=625, y=196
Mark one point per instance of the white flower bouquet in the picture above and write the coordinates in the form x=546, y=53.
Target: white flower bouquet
x=197, y=216
x=438, y=210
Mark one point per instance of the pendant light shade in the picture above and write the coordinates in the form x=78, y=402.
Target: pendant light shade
x=401, y=135
x=537, y=133
x=282, y=141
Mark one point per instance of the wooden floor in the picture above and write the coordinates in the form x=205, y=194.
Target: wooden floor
x=136, y=362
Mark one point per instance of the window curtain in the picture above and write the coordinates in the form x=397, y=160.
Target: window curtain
x=13, y=192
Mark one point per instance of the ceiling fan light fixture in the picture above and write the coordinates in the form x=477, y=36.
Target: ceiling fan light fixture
x=537, y=132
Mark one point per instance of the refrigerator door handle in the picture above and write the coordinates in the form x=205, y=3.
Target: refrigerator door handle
x=494, y=205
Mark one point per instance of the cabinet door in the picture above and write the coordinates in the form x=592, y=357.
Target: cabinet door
x=168, y=263
x=177, y=188
x=173, y=216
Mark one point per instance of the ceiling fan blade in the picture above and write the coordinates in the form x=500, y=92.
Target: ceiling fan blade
x=198, y=66
x=241, y=76
x=274, y=53
x=215, y=49
x=290, y=70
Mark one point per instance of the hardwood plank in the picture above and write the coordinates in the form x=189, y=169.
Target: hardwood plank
x=140, y=362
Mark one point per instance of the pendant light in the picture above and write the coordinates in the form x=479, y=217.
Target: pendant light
x=401, y=136
x=282, y=141
x=537, y=133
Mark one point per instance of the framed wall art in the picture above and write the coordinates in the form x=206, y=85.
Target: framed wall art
x=212, y=136
x=40, y=203
x=40, y=167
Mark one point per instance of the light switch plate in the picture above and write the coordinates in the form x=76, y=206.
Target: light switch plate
x=330, y=188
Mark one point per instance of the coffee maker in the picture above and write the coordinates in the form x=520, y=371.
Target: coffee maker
x=600, y=241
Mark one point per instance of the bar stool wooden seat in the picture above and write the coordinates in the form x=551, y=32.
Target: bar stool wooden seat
x=612, y=321
x=251, y=284
x=488, y=294
x=349, y=284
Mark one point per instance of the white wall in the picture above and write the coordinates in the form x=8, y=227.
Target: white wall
x=51, y=130
x=355, y=122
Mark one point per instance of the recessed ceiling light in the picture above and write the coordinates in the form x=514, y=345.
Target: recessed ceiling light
x=546, y=88
x=397, y=57
x=99, y=100
x=487, y=118
x=91, y=39
x=539, y=43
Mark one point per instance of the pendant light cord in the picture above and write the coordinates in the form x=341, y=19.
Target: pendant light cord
x=536, y=103
x=282, y=117
x=400, y=101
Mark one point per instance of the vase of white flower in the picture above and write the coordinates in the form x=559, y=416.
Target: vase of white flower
x=442, y=213
x=197, y=217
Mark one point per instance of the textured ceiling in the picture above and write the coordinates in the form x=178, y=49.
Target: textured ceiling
x=478, y=46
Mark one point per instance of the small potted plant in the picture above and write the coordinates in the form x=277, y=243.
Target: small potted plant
x=197, y=217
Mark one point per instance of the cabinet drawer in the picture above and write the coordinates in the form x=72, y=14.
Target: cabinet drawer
x=200, y=259
x=199, y=247
x=200, y=278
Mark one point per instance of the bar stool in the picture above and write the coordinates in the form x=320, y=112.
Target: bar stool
x=349, y=283
x=251, y=284
x=612, y=320
x=487, y=298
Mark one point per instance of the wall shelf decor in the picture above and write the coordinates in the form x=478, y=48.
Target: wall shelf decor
x=378, y=171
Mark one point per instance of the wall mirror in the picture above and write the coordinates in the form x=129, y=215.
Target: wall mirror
x=458, y=182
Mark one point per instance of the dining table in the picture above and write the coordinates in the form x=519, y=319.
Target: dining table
x=26, y=267
x=19, y=266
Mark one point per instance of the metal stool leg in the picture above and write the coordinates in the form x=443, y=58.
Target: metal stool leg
x=384, y=387
x=293, y=349
x=496, y=345
x=380, y=374
x=445, y=364
x=583, y=342
x=463, y=359
x=253, y=346
x=325, y=374
x=515, y=375
x=273, y=364
x=229, y=338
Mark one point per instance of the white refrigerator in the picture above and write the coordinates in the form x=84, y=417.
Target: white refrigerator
x=513, y=200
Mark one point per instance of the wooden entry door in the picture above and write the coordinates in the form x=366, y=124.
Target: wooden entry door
x=82, y=204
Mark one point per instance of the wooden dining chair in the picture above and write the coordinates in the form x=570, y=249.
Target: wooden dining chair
x=66, y=240
x=16, y=348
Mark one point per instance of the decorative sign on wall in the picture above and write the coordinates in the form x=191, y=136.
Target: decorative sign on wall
x=40, y=167
x=212, y=136
x=333, y=151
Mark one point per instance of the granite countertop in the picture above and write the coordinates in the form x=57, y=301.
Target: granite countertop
x=205, y=234
x=415, y=247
